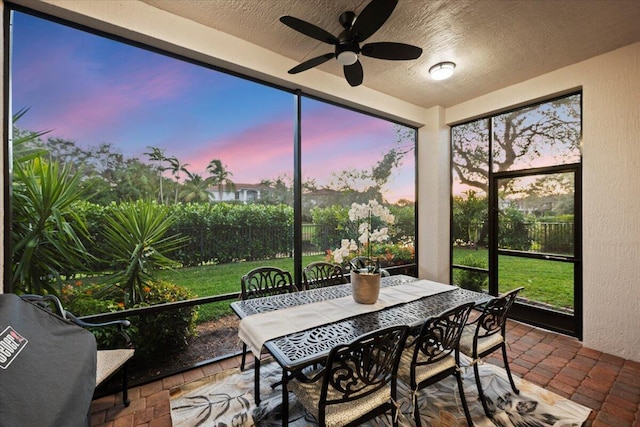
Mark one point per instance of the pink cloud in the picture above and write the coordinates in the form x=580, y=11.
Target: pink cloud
x=264, y=151
x=260, y=152
x=94, y=100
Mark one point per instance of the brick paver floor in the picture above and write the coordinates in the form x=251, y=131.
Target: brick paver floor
x=607, y=384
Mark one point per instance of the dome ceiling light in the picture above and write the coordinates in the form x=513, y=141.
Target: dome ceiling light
x=442, y=70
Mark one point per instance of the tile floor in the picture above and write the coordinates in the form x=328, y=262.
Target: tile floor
x=607, y=384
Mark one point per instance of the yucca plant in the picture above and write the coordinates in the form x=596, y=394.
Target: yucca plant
x=136, y=242
x=45, y=230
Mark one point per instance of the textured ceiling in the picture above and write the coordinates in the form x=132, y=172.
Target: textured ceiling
x=495, y=43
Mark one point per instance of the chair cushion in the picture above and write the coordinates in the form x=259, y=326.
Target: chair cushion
x=109, y=361
x=340, y=414
x=484, y=344
x=423, y=372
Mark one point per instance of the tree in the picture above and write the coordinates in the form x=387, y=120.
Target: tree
x=548, y=132
x=195, y=189
x=280, y=191
x=219, y=176
x=362, y=185
x=134, y=180
x=551, y=194
x=177, y=167
x=470, y=217
x=157, y=155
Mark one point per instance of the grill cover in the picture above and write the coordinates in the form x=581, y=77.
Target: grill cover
x=47, y=367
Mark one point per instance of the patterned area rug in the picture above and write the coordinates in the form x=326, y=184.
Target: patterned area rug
x=226, y=399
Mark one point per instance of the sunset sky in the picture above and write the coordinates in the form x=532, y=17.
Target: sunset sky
x=91, y=90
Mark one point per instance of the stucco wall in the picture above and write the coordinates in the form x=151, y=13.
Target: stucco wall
x=433, y=154
x=611, y=179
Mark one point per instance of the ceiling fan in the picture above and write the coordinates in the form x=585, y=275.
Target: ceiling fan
x=347, y=44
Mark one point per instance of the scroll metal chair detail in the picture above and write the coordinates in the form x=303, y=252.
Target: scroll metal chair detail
x=433, y=355
x=485, y=335
x=109, y=362
x=262, y=282
x=358, y=381
x=322, y=274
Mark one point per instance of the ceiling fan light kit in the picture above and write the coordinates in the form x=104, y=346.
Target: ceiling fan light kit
x=347, y=51
x=347, y=57
x=442, y=70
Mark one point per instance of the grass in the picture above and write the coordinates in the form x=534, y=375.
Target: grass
x=222, y=279
x=544, y=281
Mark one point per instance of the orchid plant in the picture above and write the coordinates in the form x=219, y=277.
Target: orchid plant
x=352, y=251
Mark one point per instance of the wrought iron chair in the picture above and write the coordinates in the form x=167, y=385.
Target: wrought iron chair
x=109, y=362
x=433, y=354
x=486, y=334
x=262, y=282
x=322, y=274
x=357, y=382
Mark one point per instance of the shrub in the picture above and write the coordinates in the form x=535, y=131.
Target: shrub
x=468, y=279
x=153, y=335
x=84, y=299
x=137, y=240
x=391, y=255
x=513, y=232
x=166, y=332
x=331, y=221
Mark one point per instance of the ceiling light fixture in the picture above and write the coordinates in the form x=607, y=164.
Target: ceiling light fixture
x=347, y=57
x=442, y=70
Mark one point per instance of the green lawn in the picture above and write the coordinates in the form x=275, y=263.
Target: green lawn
x=544, y=281
x=221, y=279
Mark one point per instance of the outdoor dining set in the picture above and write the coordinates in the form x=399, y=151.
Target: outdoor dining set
x=342, y=359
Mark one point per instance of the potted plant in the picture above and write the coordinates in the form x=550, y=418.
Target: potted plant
x=365, y=269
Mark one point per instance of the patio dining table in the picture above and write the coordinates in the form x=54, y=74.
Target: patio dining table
x=299, y=329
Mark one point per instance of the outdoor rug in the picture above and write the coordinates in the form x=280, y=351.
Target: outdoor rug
x=226, y=399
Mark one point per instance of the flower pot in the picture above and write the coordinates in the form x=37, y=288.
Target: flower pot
x=365, y=287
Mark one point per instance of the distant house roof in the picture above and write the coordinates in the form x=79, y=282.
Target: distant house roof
x=240, y=187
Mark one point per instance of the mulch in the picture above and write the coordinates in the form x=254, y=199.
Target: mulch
x=214, y=339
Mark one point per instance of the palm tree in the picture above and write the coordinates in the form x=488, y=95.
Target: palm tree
x=220, y=176
x=176, y=168
x=157, y=155
x=195, y=189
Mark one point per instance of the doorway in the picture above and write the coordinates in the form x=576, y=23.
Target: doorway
x=536, y=241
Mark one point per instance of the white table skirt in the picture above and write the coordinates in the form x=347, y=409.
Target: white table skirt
x=257, y=329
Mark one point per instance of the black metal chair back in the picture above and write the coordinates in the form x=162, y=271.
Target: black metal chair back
x=357, y=370
x=266, y=281
x=487, y=334
x=322, y=274
x=262, y=282
x=439, y=336
x=494, y=317
x=435, y=355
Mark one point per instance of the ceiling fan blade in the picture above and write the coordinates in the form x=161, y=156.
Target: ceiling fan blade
x=391, y=50
x=309, y=29
x=354, y=74
x=372, y=17
x=311, y=63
